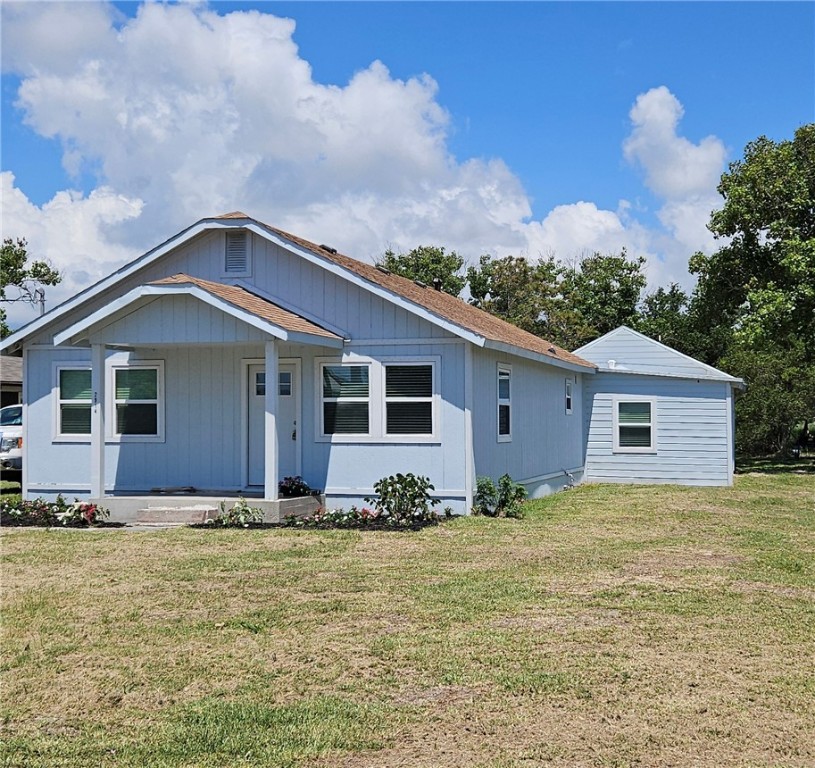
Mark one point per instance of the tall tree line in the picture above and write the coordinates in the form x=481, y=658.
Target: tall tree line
x=751, y=313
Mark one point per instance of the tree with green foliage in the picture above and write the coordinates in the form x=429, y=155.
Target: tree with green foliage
x=513, y=288
x=755, y=298
x=428, y=263
x=604, y=292
x=761, y=283
x=26, y=278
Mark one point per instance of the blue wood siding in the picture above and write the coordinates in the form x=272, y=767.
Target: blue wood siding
x=692, y=431
x=203, y=352
x=546, y=441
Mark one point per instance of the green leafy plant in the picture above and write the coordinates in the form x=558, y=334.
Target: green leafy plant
x=505, y=499
x=404, y=499
x=240, y=515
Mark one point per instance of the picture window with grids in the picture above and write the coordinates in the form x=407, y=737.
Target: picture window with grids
x=74, y=400
x=136, y=397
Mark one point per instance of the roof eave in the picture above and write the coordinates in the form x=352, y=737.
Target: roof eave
x=511, y=349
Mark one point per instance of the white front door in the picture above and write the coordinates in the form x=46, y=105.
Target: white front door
x=288, y=393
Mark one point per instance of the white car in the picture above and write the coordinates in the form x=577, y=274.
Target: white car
x=11, y=437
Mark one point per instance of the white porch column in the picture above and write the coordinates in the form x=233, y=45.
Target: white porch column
x=98, y=421
x=469, y=447
x=270, y=424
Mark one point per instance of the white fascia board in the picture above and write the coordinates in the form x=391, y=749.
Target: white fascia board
x=529, y=355
x=723, y=377
x=18, y=337
x=373, y=288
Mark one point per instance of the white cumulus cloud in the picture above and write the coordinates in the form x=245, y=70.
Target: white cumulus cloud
x=182, y=113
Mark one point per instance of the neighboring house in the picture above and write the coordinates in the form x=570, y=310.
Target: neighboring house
x=11, y=381
x=235, y=354
x=654, y=415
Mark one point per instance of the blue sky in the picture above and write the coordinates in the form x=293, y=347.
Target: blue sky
x=525, y=123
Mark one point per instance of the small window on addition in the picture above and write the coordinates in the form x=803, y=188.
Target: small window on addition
x=569, y=395
x=504, y=404
x=634, y=429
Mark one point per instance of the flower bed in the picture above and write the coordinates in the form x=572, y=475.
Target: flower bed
x=79, y=514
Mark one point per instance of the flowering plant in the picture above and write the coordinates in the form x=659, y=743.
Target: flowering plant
x=290, y=487
x=16, y=511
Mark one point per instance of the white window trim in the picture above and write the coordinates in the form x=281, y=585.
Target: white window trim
x=569, y=396
x=499, y=401
x=615, y=404
x=57, y=436
x=249, y=253
x=376, y=399
x=110, y=397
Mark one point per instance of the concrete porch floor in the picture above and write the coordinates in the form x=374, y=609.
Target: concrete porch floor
x=190, y=508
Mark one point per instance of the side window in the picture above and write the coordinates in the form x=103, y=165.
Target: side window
x=74, y=401
x=504, y=403
x=409, y=399
x=634, y=426
x=346, y=399
x=569, y=395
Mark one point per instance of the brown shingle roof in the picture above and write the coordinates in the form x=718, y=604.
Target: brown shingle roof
x=243, y=299
x=443, y=305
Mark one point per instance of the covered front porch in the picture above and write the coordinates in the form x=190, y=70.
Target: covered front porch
x=195, y=396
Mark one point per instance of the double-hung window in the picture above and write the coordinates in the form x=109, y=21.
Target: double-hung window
x=74, y=398
x=569, y=396
x=408, y=399
x=634, y=426
x=137, y=401
x=504, y=403
x=346, y=396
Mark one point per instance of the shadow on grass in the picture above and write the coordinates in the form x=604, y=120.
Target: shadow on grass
x=774, y=465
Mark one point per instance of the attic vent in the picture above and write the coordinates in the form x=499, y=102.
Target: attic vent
x=382, y=269
x=328, y=248
x=236, y=257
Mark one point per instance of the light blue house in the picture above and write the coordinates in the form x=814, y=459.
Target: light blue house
x=235, y=354
x=654, y=415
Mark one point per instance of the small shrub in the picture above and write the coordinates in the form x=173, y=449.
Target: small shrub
x=486, y=497
x=504, y=500
x=290, y=487
x=404, y=499
x=240, y=515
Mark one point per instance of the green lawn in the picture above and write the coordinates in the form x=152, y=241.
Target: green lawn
x=614, y=626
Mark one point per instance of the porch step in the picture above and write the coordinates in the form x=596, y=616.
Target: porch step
x=166, y=517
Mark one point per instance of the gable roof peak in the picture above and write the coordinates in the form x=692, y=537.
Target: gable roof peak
x=233, y=215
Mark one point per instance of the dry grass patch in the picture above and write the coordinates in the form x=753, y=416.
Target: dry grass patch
x=613, y=627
